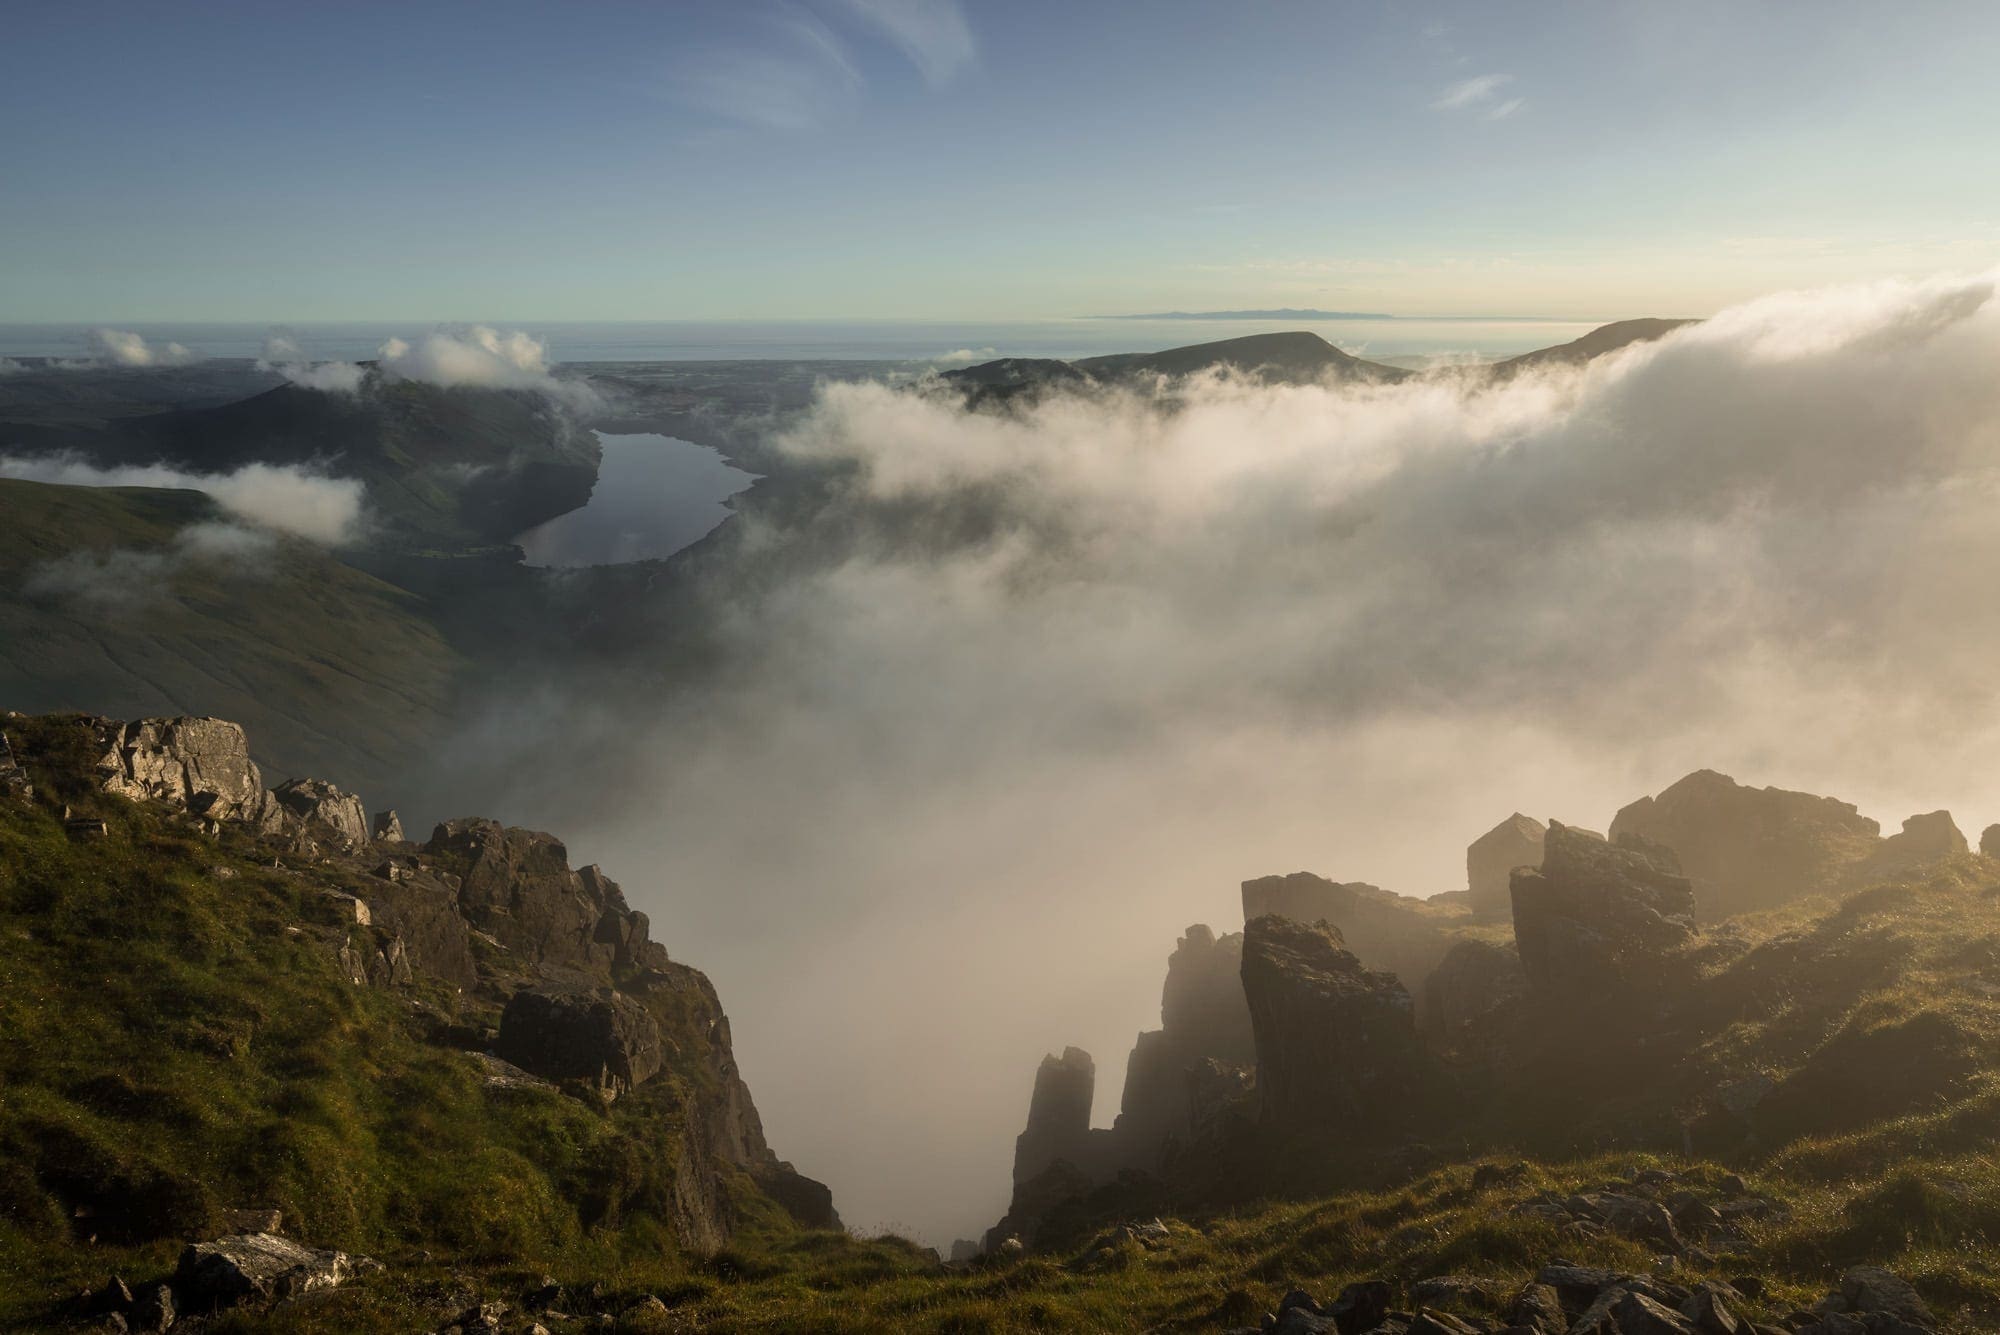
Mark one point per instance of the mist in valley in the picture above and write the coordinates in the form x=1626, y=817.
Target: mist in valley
x=976, y=740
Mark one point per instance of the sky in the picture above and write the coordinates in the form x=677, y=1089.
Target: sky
x=973, y=159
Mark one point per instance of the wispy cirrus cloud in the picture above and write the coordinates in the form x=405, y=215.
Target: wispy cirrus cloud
x=790, y=68
x=933, y=34
x=793, y=75
x=1480, y=94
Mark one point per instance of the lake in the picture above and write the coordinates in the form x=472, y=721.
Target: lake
x=654, y=496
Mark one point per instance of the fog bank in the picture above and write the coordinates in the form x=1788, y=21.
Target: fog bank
x=1054, y=683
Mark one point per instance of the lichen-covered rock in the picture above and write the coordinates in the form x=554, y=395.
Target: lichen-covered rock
x=257, y=1267
x=1595, y=912
x=1750, y=848
x=1337, y=1044
x=601, y=1037
x=1491, y=858
x=200, y=764
x=324, y=809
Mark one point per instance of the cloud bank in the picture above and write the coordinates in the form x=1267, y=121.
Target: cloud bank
x=1035, y=691
x=122, y=578
x=283, y=354
x=296, y=501
x=483, y=357
x=122, y=347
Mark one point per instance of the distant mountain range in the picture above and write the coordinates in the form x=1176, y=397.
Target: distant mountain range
x=1293, y=357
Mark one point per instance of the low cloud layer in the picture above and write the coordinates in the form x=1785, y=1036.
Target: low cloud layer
x=121, y=579
x=1037, y=691
x=283, y=354
x=122, y=347
x=482, y=357
x=290, y=500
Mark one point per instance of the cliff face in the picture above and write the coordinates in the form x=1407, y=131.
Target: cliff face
x=489, y=944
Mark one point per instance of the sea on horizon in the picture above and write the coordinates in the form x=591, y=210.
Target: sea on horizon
x=941, y=342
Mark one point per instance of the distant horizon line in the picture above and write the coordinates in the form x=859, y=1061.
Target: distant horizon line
x=519, y=322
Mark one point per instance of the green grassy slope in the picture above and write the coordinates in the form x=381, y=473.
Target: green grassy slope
x=178, y=1043
x=330, y=670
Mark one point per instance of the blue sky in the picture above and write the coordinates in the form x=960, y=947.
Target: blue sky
x=981, y=160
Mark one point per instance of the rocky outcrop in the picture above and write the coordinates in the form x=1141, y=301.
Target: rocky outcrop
x=200, y=764
x=1750, y=848
x=1337, y=1045
x=551, y=963
x=13, y=779
x=1406, y=937
x=419, y=913
x=387, y=827
x=1201, y=1005
x=516, y=886
x=1058, y=1114
x=1595, y=913
x=600, y=1037
x=1924, y=839
x=1203, y=1017
x=1491, y=858
x=322, y=809
x=1474, y=980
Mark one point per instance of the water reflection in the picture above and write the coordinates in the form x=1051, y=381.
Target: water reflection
x=654, y=496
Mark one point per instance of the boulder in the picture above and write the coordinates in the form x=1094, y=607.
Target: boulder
x=601, y=1037
x=325, y=810
x=1491, y=858
x=1407, y=937
x=1876, y=1292
x=247, y=1267
x=202, y=765
x=1989, y=841
x=1596, y=913
x=1336, y=1042
x=386, y=827
x=1746, y=848
x=1474, y=979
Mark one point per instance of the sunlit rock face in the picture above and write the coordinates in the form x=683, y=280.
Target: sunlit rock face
x=1595, y=913
x=1750, y=848
x=1407, y=937
x=200, y=764
x=1337, y=1044
x=1491, y=858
